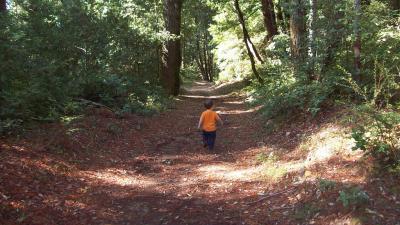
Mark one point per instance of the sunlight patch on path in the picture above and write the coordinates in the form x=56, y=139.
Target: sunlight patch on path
x=121, y=178
x=237, y=112
x=230, y=173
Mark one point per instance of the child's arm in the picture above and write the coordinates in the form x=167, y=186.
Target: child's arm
x=219, y=120
x=200, y=123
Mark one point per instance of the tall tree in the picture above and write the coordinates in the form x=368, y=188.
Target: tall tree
x=298, y=34
x=357, y=40
x=247, y=41
x=3, y=5
x=171, y=53
x=269, y=18
x=313, y=36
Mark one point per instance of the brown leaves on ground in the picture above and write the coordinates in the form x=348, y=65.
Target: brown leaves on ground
x=101, y=169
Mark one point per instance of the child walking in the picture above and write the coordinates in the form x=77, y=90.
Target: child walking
x=208, y=124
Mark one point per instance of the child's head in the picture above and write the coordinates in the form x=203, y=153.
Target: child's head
x=208, y=104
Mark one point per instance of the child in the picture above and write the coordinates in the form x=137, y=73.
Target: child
x=208, y=124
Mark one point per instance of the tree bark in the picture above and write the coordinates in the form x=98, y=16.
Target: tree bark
x=171, y=54
x=280, y=18
x=269, y=18
x=357, y=41
x=313, y=36
x=298, y=35
x=395, y=4
x=247, y=42
x=3, y=5
x=200, y=61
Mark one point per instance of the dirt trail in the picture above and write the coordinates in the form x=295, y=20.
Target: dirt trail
x=101, y=169
x=145, y=170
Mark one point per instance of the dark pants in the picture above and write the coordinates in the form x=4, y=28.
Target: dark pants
x=209, y=139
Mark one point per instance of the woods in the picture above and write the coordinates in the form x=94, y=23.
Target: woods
x=130, y=56
x=99, y=102
x=188, y=39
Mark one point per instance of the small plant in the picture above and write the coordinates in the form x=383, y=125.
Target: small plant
x=326, y=185
x=7, y=126
x=114, y=129
x=306, y=212
x=267, y=158
x=379, y=137
x=353, y=197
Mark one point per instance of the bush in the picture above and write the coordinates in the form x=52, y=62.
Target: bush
x=353, y=197
x=326, y=185
x=54, y=54
x=288, y=100
x=379, y=136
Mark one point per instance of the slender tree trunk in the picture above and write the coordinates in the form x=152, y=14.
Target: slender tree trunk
x=3, y=5
x=357, y=41
x=313, y=36
x=395, y=4
x=279, y=17
x=269, y=18
x=211, y=66
x=205, y=56
x=298, y=35
x=172, y=55
x=200, y=60
x=247, y=42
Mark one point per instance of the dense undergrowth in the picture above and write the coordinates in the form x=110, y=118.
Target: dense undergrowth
x=57, y=57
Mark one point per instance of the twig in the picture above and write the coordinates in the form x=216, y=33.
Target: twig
x=85, y=101
x=285, y=207
x=271, y=195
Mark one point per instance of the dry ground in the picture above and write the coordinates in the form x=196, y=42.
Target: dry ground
x=101, y=169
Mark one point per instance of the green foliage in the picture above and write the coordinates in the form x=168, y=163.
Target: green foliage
x=354, y=196
x=288, y=100
x=379, y=136
x=326, y=185
x=306, y=212
x=267, y=158
x=7, y=126
x=55, y=53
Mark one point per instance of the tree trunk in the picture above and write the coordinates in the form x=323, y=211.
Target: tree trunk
x=269, y=18
x=210, y=66
x=298, y=35
x=171, y=54
x=395, y=4
x=247, y=42
x=313, y=36
x=201, y=60
x=3, y=5
x=279, y=17
x=357, y=41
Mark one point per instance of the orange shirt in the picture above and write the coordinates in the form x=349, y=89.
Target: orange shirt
x=209, y=118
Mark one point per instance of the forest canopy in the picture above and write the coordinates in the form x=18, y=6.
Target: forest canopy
x=130, y=55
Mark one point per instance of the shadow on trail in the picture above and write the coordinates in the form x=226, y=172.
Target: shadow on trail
x=145, y=171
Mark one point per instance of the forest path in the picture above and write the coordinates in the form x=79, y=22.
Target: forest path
x=181, y=182
x=106, y=169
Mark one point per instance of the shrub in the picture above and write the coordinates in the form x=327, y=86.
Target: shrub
x=379, y=136
x=287, y=100
x=353, y=197
x=326, y=185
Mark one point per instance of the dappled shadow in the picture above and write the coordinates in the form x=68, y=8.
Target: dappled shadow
x=130, y=170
